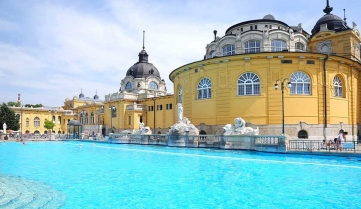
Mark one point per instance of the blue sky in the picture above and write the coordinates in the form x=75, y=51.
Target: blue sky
x=49, y=50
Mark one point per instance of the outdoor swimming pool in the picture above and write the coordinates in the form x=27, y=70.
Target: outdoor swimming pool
x=133, y=176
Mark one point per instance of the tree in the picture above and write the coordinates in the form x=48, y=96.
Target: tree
x=49, y=125
x=32, y=105
x=7, y=115
x=11, y=104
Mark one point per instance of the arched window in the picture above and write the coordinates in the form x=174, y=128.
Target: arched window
x=300, y=46
x=59, y=119
x=204, y=89
x=86, y=118
x=252, y=46
x=81, y=118
x=27, y=122
x=212, y=53
x=36, y=132
x=153, y=85
x=302, y=134
x=36, y=121
x=278, y=45
x=337, y=86
x=128, y=85
x=92, y=118
x=151, y=71
x=301, y=83
x=228, y=50
x=45, y=132
x=249, y=84
x=180, y=92
x=17, y=116
x=53, y=119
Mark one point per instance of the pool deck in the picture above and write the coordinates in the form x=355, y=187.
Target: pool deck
x=322, y=152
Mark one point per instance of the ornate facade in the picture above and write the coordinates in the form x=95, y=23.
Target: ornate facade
x=237, y=78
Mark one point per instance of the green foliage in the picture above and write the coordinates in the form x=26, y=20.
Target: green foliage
x=7, y=115
x=11, y=104
x=34, y=106
x=48, y=124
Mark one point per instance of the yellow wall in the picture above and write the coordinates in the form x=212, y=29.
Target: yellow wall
x=266, y=108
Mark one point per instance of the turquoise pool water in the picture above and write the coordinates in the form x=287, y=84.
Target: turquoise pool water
x=133, y=176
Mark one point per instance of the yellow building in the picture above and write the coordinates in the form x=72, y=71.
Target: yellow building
x=317, y=76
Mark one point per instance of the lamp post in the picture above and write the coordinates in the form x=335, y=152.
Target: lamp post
x=289, y=85
x=111, y=108
x=52, y=111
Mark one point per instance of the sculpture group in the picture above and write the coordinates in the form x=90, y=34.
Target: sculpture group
x=239, y=128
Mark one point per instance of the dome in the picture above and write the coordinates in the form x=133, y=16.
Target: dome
x=143, y=69
x=269, y=17
x=334, y=22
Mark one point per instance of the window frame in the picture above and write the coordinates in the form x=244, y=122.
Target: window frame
x=204, y=89
x=275, y=48
x=153, y=85
x=301, y=82
x=229, y=49
x=128, y=85
x=252, y=49
x=249, y=84
x=337, y=87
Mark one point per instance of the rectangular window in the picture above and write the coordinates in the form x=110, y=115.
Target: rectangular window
x=286, y=61
x=255, y=27
x=196, y=70
x=311, y=62
x=140, y=118
x=251, y=27
x=129, y=120
x=270, y=26
x=27, y=123
x=151, y=108
x=241, y=29
x=170, y=106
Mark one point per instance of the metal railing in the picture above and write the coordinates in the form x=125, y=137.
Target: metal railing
x=321, y=146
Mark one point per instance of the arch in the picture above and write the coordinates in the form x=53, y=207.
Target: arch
x=248, y=84
x=27, y=131
x=301, y=83
x=252, y=46
x=36, y=132
x=299, y=46
x=27, y=122
x=212, y=53
x=59, y=132
x=153, y=85
x=45, y=132
x=228, y=49
x=92, y=118
x=86, y=118
x=202, y=132
x=159, y=132
x=337, y=86
x=180, y=94
x=302, y=134
x=204, y=89
x=37, y=121
x=278, y=45
x=128, y=85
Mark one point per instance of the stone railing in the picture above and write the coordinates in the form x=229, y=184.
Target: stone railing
x=239, y=142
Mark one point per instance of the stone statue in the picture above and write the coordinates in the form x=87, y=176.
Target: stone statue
x=239, y=128
x=141, y=125
x=180, y=112
x=238, y=37
x=265, y=32
x=292, y=34
x=4, y=127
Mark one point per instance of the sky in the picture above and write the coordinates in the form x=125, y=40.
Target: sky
x=51, y=49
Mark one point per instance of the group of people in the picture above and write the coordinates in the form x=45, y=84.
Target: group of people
x=339, y=141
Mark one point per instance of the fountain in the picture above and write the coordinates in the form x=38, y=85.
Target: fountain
x=178, y=134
